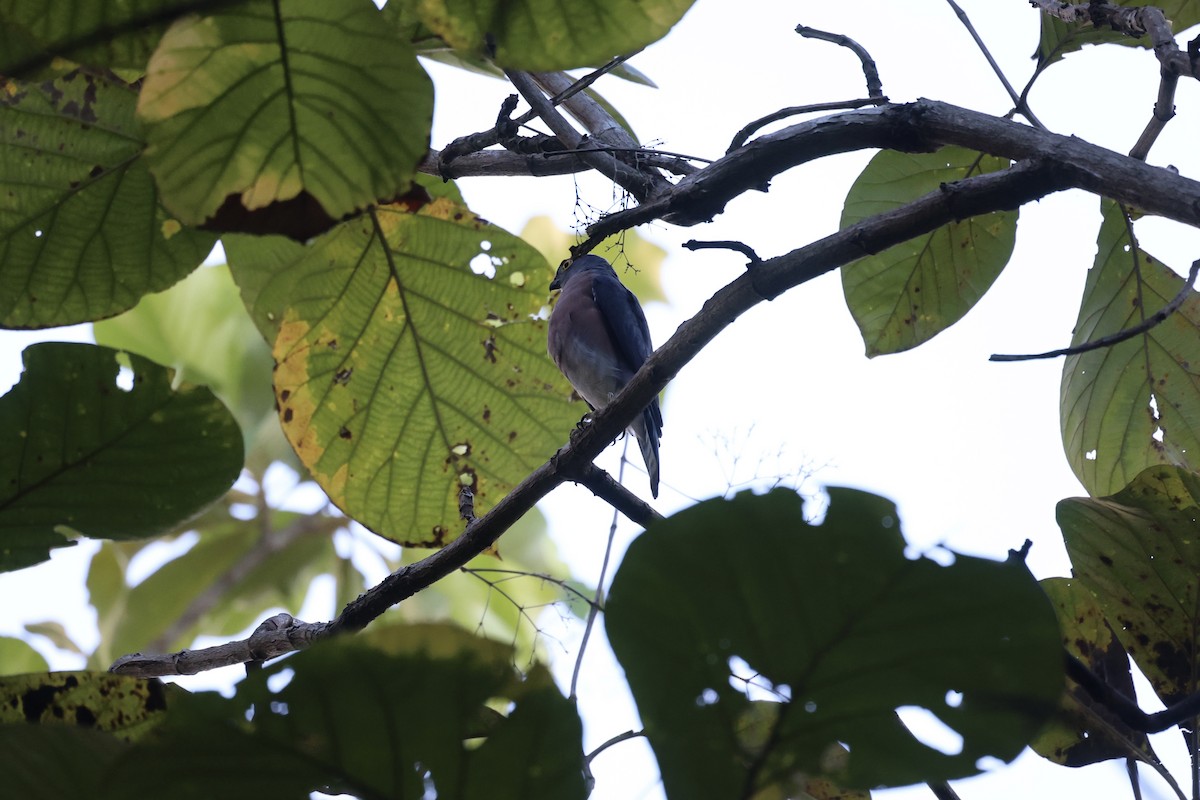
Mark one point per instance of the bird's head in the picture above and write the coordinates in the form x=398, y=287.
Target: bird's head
x=569, y=268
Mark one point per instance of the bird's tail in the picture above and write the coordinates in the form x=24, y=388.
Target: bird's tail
x=647, y=428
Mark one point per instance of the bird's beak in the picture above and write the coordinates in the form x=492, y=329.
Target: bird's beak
x=560, y=276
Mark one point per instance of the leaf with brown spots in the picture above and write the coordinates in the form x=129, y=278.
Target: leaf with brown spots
x=914, y=290
x=440, y=377
x=123, y=706
x=1139, y=553
x=1127, y=407
x=1084, y=731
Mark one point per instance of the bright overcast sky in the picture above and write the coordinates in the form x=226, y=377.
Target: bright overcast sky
x=970, y=450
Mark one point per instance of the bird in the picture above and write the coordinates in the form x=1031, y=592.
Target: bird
x=598, y=338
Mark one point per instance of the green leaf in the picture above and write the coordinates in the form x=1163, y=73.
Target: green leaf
x=1083, y=731
x=397, y=728
x=1137, y=551
x=82, y=235
x=1060, y=38
x=57, y=634
x=55, y=762
x=402, y=375
x=534, y=35
x=838, y=629
x=250, y=569
x=17, y=657
x=119, y=36
x=117, y=704
x=314, y=109
x=200, y=328
x=1136, y=404
x=913, y=291
x=83, y=454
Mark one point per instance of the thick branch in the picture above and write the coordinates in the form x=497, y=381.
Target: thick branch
x=917, y=127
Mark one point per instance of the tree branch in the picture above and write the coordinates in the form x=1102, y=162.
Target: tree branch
x=1157, y=318
x=1049, y=163
x=639, y=184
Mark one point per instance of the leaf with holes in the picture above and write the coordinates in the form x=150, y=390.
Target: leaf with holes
x=83, y=452
x=914, y=290
x=117, y=704
x=837, y=629
x=1138, y=552
x=403, y=376
x=82, y=235
x=531, y=35
x=200, y=327
x=1130, y=406
x=283, y=116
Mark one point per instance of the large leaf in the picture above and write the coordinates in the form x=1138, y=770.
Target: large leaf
x=82, y=235
x=85, y=452
x=1084, y=731
x=913, y=291
x=200, y=328
x=1139, y=554
x=839, y=629
x=532, y=35
x=402, y=375
x=1060, y=38
x=289, y=109
x=1136, y=404
x=396, y=729
x=123, y=706
x=55, y=762
x=17, y=656
x=120, y=35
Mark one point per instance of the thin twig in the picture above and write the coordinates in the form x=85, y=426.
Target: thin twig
x=594, y=611
x=639, y=184
x=474, y=142
x=754, y=127
x=870, y=71
x=741, y=247
x=541, y=576
x=588, y=777
x=1018, y=100
x=1120, y=336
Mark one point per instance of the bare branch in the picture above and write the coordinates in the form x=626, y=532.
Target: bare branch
x=1120, y=336
x=745, y=133
x=870, y=71
x=639, y=184
x=1019, y=101
x=918, y=127
x=741, y=247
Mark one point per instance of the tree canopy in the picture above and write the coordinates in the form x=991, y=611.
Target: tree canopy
x=372, y=333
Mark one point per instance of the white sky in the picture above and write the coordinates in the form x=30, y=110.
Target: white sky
x=970, y=450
